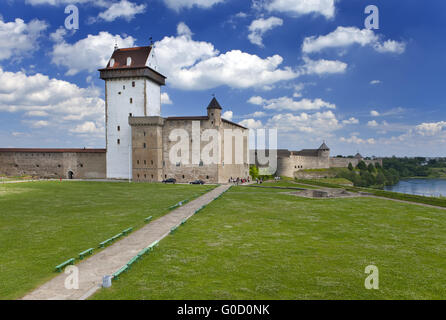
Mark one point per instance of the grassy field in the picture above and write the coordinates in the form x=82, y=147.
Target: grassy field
x=45, y=223
x=258, y=243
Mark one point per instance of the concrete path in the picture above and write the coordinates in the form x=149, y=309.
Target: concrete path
x=117, y=255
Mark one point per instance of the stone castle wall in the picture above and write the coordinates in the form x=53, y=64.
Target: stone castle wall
x=54, y=163
x=152, y=144
x=344, y=162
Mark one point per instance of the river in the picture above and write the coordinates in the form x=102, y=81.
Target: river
x=422, y=187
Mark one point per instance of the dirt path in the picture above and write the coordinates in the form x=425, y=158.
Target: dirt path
x=117, y=255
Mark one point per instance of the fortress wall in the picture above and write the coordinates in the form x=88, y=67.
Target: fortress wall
x=53, y=164
x=186, y=172
x=287, y=166
x=344, y=162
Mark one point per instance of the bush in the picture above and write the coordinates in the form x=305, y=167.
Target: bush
x=254, y=171
x=361, y=165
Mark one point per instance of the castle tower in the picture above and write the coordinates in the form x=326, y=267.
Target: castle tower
x=324, y=151
x=214, y=112
x=132, y=88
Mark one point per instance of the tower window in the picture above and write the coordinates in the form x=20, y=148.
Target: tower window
x=123, y=87
x=133, y=84
x=137, y=161
x=119, y=141
x=144, y=133
x=131, y=100
x=130, y=114
x=119, y=128
x=145, y=162
x=151, y=161
x=145, y=145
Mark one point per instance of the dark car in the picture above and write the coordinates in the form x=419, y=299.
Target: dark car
x=170, y=180
x=197, y=182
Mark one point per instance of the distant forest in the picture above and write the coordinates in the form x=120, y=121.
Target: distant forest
x=393, y=170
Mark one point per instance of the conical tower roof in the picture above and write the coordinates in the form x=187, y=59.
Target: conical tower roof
x=324, y=147
x=214, y=104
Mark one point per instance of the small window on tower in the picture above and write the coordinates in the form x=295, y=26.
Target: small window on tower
x=145, y=145
x=119, y=128
x=133, y=84
x=130, y=115
x=129, y=61
x=131, y=100
x=123, y=87
x=119, y=141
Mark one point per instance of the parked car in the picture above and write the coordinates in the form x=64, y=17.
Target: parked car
x=170, y=180
x=197, y=182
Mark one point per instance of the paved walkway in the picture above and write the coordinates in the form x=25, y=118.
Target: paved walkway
x=117, y=255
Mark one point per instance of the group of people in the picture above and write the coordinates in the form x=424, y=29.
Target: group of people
x=239, y=180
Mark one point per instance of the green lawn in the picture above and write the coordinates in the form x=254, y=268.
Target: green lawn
x=45, y=223
x=258, y=243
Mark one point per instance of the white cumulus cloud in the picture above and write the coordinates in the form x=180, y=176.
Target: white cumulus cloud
x=165, y=99
x=18, y=38
x=356, y=140
x=325, y=8
x=251, y=123
x=260, y=26
x=351, y=120
x=323, y=66
x=181, y=4
x=347, y=36
x=60, y=103
x=431, y=128
x=286, y=103
x=123, y=9
x=228, y=115
x=195, y=65
x=88, y=54
x=319, y=124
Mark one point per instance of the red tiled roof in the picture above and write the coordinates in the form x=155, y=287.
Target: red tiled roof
x=34, y=150
x=139, y=56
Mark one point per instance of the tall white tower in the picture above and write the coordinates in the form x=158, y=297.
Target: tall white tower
x=132, y=88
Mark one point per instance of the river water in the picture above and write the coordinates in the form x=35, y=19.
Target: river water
x=421, y=187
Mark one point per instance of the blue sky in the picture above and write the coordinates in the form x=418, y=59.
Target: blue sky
x=310, y=69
